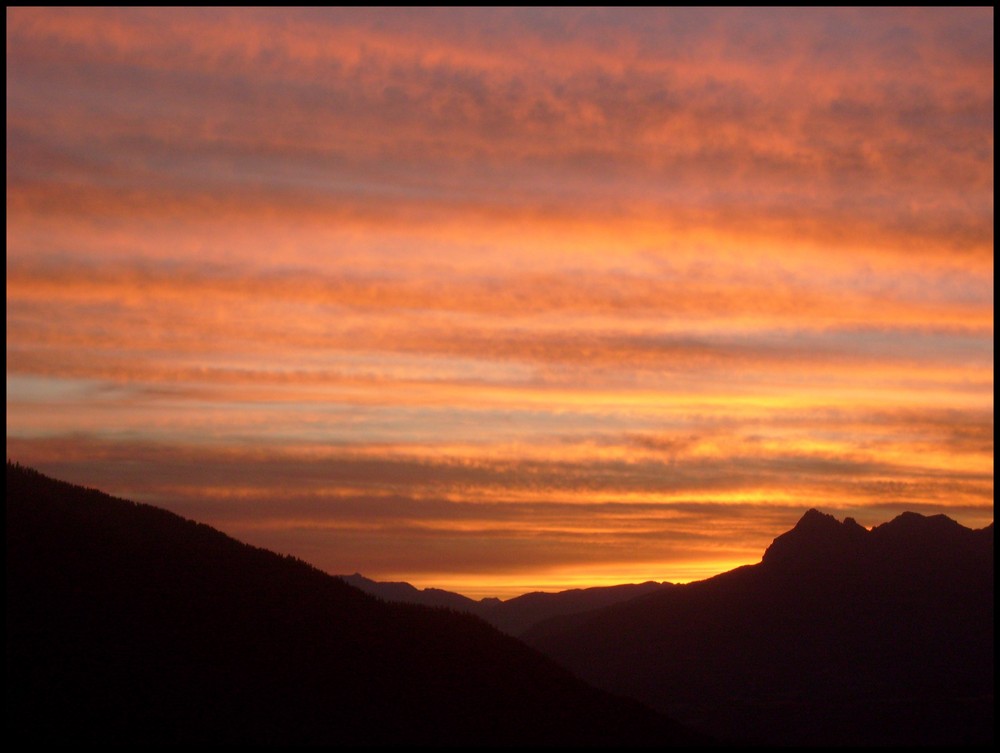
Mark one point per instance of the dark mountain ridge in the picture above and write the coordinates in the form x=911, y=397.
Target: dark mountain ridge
x=513, y=616
x=405, y=593
x=127, y=624
x=839, y=636
x=909, y=543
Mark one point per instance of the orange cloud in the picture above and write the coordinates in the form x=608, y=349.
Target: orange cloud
x=347, y=114
x=510, y=292
x=537, y=518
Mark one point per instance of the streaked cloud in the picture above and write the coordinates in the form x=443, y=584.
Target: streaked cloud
x=536, y=294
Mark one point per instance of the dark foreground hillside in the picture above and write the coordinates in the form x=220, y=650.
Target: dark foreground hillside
x=840, y=636
x=128, y=624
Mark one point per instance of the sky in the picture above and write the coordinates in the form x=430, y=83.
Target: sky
x=505, y=300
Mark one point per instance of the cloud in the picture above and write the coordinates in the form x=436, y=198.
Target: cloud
x=582, y=283
x=428, y=513
x=350, y=113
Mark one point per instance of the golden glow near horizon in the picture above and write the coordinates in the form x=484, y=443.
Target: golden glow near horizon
x=505, y=300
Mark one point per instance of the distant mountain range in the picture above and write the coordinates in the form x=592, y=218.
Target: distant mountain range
x=513, y=616
x=840, y=636
x=127, y=624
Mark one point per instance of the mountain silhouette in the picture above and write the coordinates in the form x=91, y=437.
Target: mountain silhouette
x=404, y=593
x=127, y=624
x=840, y=635
x=513, y=616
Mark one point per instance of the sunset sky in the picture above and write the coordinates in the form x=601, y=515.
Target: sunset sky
x=504, y=300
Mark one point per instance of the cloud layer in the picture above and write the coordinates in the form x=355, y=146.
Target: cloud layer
x=505, y=298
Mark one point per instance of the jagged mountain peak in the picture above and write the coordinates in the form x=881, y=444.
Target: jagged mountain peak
x=819, y=540
x=815, y=538
x=814, y=520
